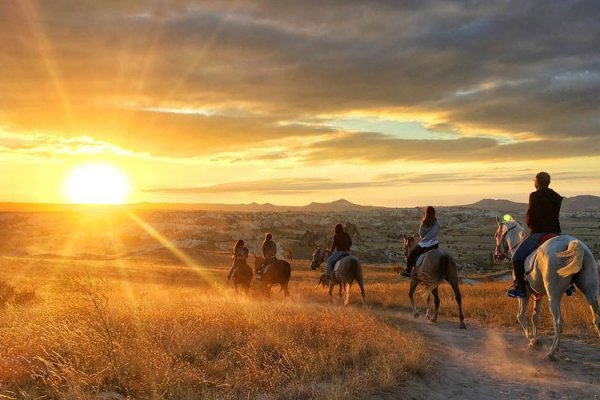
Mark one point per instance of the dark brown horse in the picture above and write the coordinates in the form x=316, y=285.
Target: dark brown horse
x=349, y=270
x=438, y=265
x=277, y=272
x=242, y=276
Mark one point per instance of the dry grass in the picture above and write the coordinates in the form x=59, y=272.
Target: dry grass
x=178, y=335
x=153, y=329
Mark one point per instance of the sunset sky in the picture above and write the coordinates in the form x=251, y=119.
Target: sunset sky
x=395, y=103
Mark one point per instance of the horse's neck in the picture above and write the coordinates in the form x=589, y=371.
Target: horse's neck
x=515, y=238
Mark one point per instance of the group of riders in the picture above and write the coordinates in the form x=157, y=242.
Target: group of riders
x=542, y=219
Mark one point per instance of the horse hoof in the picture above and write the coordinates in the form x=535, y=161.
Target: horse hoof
x=433, y=320
x=535, y=344
x=551, y=357
x=462, y=326
x=416, y=315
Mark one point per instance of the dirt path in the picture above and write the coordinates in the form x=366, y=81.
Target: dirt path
x=490, y=363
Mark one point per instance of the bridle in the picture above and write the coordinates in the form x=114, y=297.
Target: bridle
x=503, y=249
x=320, y=257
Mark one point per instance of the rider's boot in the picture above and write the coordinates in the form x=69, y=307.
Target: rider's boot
x=570, y=290
x=518, y=290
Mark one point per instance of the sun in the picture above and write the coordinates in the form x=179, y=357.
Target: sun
x=97, y=184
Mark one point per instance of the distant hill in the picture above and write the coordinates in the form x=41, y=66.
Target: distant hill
x=570, y=204
x=497, y=205
x=581, y=203
x=334, y=206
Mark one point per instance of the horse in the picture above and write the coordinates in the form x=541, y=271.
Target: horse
x=242, y=276
x=277, y=272
x=437, y=265
x=348, y=271
x=558, y=262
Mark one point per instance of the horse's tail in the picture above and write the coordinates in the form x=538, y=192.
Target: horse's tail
x=571, y=260
x=356, y=269
x=432, y=281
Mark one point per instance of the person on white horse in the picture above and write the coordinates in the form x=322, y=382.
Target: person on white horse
x=269, y=253
x=340, y=247
x=429, y=232
x=542, y=218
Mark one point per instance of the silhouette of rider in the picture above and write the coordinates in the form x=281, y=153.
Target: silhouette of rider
x=340, y=247
x=269, y=253
x=240, y=254
x=542, y=218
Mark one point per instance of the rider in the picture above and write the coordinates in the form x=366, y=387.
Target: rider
x=429, y=232
x=542, y=219
x=240, y=254
x=340, y=247
x=269, y=253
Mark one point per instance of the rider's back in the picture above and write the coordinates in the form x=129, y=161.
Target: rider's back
x=543, y=212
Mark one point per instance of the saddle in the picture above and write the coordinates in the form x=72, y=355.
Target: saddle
x=336, y=266
x=530, y=260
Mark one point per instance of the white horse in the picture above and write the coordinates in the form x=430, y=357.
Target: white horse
x=559, y=261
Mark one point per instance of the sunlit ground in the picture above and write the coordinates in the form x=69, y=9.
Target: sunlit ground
x=168, y=324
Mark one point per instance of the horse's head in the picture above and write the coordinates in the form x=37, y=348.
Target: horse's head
x=408, y=242
x=508, y=235
x=318, y=257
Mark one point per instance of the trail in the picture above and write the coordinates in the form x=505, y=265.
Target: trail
x=491, y=363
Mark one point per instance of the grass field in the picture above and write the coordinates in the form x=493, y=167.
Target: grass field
x=154, y=328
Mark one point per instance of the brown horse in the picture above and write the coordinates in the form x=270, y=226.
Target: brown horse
x=438, y=265
x=277, y=272
x=242, y=276
x=349, y=270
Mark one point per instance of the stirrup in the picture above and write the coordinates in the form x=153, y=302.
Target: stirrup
x=517, y=292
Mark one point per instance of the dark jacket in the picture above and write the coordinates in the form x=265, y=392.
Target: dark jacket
x=543, y=212
x=341, y=242
x=269, y=249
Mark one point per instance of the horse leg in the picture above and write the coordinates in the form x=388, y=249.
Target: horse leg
x=346, y=293
x=588, y=285
x=558, y=326
x=596, y=315
x=411, y=296
x=286, y=292
x=362, y=290
x=436, y=303
x=331, y=285
x=523, y=303
x=428, y=312
x=534, y=342
x=458, y=298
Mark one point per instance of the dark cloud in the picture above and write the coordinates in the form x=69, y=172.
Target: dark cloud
x=521, y=67
x=379, y=148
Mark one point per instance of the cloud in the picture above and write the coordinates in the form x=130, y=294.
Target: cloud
x=526, y=69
